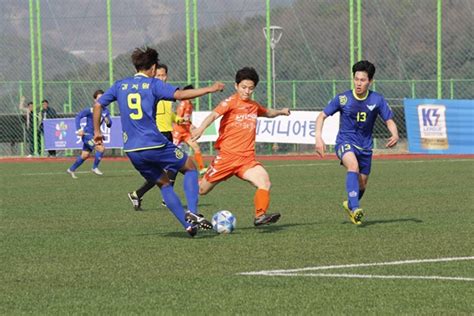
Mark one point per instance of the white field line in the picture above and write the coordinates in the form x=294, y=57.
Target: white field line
x=297, y=272
x=65, y=173
x=373, y=276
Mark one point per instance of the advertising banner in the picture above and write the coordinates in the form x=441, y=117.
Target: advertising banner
x=298, y=128
x=439, y=126
x=60, y=134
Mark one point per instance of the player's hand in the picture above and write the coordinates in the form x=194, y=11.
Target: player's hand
x=98, y=139
x=320, y=147
x=217, y=87
x=80, y=133
x=196, y=134
x=285, y=111
x=392, y=141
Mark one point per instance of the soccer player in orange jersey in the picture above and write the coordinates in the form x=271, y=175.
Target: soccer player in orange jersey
x=236, y=143
x=182, y=130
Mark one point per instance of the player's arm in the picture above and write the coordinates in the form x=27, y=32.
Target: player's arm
x=197, y=132
x=320, y=145
x=392, y=127
x=194, y=93
x=96, y=117
x=78, y=118
x=270, y=113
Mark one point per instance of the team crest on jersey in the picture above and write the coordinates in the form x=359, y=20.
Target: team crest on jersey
x=124, y=137
x=178, y=153
x=342, y=100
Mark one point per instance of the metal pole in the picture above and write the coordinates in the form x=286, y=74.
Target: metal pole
x=273, y=75
x=351, y=39
x=439, y=53
x=33, y=77
x=196, y=50
x=359, y=30
x=268, y=50
x=109, y=51
x=188, y=44
x=40, y=50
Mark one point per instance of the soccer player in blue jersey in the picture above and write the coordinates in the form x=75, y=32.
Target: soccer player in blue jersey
x=148, y=150
x=87, y=134
x=358, y=109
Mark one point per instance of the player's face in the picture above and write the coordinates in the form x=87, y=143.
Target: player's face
x=361, y=82
x=245, y=89
x=98, y=96
x=161, y=74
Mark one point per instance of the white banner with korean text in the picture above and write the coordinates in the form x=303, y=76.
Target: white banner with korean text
x=298, y=128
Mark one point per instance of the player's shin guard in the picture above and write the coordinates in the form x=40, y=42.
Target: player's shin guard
x=97, y=159
x=191, y=189
x=174, y=204
x=352, y=188
x=79, y=161
x=262, y=202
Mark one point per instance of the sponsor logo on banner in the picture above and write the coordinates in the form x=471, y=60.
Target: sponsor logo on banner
x=60, y=134
x=432, y=122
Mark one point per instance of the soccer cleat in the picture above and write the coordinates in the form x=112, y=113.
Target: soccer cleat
x=266, y=219
x=73, y=175
x=197, y=219
x=136, y=201
x=192, y=230
x=354, y=215
x=163, y=203
x=97, y=171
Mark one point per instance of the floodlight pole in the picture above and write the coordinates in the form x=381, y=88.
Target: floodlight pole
x=275, y=35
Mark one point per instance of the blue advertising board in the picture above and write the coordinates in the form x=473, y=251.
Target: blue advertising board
x=437, y=126
x=60, y=134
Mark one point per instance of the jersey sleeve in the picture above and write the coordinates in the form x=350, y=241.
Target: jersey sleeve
x=163, y=91
x=332, y=107
x=261, y=110
x=109, y=96
x=385, y=111
x=224, y=107
x=79, y=117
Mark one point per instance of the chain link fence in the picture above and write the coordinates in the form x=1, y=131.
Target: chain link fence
x=64, y=50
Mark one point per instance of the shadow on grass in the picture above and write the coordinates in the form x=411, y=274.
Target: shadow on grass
x=275, y=227
x=387, y=221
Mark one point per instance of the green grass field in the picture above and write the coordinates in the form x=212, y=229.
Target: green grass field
x=77, y=247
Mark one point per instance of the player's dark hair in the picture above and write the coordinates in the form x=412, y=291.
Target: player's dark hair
x=158, y=66
x=30, y=103
x=45, y=101
x=97, y=92
x=364, y=65
x=247, y=73
x=188, y=87
x=144, y=58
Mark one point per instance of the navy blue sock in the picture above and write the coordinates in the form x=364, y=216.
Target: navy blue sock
x=361, y=194
x=174, y=204
x=77, y=163
x=352, y=188
x=191, y=189
x=98, y=158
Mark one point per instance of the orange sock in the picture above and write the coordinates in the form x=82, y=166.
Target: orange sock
x=262, y=201
x=199, y=161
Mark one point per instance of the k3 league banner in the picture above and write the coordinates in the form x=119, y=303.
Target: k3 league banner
x=436, y=126
x=60, y=134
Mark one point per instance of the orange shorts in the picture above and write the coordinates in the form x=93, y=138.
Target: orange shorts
x=178, y=137
x=225, y=166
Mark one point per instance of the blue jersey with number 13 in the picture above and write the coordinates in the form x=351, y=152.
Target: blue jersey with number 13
x=137, y=97
x=358, y=117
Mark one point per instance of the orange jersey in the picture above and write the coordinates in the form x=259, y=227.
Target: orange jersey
x=237, y=129
x=185, y=112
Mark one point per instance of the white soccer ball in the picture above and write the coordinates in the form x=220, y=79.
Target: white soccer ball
x=223, y=222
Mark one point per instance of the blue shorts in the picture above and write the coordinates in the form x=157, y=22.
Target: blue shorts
x=151, y=162
x=89, y=144
x=364, y=156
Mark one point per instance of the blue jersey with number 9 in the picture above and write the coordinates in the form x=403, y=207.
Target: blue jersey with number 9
x=358, y=117
x=137, y=97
